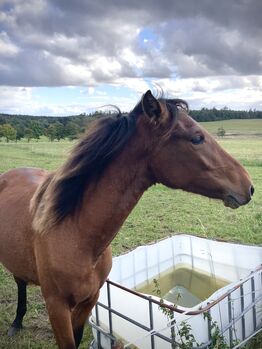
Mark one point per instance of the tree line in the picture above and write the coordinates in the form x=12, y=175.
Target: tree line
x=16, y=127
x=225, y=113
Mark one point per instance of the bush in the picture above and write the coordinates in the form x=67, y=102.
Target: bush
x=221, y=132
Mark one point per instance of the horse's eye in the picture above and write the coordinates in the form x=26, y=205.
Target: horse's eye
x=198, y=139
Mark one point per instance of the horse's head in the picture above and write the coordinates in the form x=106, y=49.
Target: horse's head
x=185, y=156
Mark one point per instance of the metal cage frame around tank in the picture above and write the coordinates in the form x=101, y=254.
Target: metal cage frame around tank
x=256, y=302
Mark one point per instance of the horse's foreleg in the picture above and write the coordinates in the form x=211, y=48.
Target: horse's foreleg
x=80, y=315
x=21, y=307
x=60, y=318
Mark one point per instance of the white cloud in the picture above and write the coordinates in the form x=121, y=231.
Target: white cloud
x=193, y=51
x=16, y=99
x=138, y=85
x=7, y=48
x=232, y=91
x=108, y=67
x=129, y=56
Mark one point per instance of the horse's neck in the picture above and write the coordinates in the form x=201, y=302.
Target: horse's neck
x=108, y=203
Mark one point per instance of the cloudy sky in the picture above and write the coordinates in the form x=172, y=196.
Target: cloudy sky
x=59, y=57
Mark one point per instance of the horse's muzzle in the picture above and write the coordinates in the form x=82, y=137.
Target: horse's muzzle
x=233, y=200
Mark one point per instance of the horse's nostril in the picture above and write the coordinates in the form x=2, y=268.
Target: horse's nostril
x=251, y=190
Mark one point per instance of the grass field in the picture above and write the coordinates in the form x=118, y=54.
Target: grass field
x=161, y=212
x=236, y=127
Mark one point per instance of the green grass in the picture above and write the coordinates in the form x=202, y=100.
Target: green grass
x=236, y=127
x=248, y=150
x=161, y=212
x=48, y=155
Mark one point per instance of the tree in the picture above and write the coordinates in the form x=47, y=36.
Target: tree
x=8, y=131
x=51, y=132
x=20, y=132
x=221, y=132
x=71, y=130
x=28, y=134
x=59, y=130
x=36, y=128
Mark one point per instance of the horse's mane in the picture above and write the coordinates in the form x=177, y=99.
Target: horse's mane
x=61, y=193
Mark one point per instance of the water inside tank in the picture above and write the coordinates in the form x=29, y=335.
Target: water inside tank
x=183, y=285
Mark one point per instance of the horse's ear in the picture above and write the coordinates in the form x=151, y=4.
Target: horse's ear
x=151, y=105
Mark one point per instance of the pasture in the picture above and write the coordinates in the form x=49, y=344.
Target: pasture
x=236, y=127
x=161, y=212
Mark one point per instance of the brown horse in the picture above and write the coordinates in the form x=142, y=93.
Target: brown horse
x=56, y=228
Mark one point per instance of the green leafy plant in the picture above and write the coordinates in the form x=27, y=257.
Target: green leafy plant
x=181, y=334
x=182, y=331
x=217, y=339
